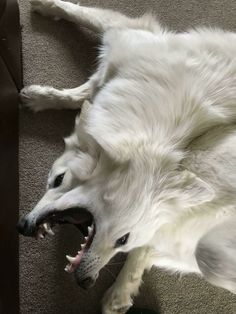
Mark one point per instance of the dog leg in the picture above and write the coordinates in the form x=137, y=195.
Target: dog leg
x=216, y=255
x=96, y=19
x=38, y=98
x=118, y=299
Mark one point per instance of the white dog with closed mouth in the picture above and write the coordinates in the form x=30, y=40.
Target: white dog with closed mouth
x=151, y=165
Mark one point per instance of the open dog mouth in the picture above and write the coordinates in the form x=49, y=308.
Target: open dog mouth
x=79, y=217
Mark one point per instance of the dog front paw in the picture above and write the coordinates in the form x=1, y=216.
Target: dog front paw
x=116, y=301
x=35, y=97
x=44, y=7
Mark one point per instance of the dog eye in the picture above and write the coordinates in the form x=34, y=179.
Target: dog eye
x=122, y=241
x=58, y=180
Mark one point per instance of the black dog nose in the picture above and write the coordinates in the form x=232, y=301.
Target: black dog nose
x=24, y=227
x=86, y=283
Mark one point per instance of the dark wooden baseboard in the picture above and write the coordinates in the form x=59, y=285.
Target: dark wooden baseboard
x=10, y=83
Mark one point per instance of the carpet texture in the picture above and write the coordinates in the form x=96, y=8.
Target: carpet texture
x=57, y=54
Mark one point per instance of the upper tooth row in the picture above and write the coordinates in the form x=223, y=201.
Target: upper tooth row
x=47, y=228
x=90, y=229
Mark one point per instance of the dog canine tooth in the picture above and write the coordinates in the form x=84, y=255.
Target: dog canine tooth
x=50, y=232
x=70, y=259
x=47, y=228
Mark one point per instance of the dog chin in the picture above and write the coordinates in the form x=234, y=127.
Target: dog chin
x=85, y=282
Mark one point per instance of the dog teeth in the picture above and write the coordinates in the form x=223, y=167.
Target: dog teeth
x=70, y=259
x=86, y=238
x=90, y=230
x=83, y=246
x=40, y=235
x=50, y=232
x=67, y=268
x=47, y=228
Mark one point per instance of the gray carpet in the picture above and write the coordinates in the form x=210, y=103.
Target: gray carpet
x=57, y=54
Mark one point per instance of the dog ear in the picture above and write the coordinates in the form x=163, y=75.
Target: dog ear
x=80, y=139
x=115, y=139
x=193, y=191
x=82, y=165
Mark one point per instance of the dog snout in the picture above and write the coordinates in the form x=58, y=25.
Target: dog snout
x=86, y=283
x=26, y=227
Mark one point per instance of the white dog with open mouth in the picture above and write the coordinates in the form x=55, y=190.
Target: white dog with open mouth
x=151, y=165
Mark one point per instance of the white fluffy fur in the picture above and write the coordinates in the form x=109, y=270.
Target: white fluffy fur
x=154, y=153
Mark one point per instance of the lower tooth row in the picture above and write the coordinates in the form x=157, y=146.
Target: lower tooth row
x=50, y=232
x=72, y=259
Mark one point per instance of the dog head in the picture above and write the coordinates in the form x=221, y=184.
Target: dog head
x=118, y=204
x=129, y=205
x=78, y=158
